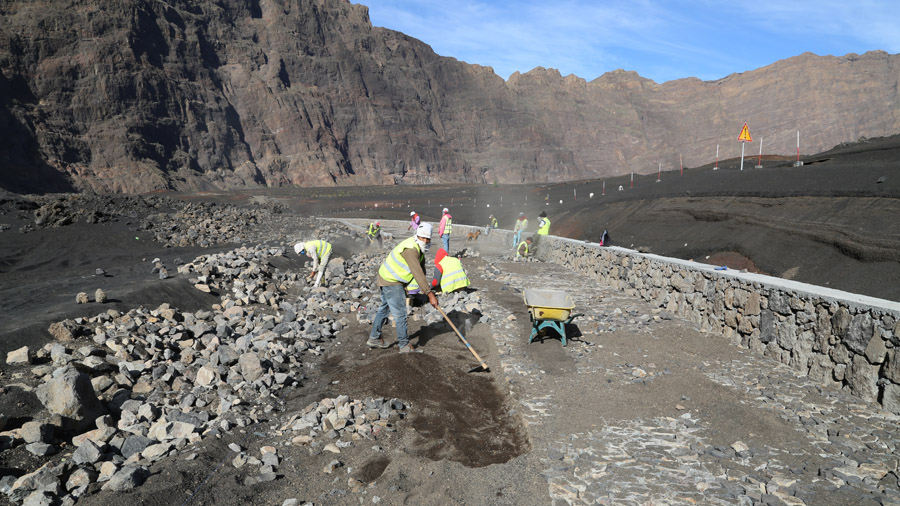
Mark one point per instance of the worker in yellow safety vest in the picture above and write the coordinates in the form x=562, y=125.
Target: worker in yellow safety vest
x=523, y=250
x=448, y=273
x=374, y=232
x=319, y=251
x=445, y=228
x=403, y=265
x=543, y=228
x=519, y=229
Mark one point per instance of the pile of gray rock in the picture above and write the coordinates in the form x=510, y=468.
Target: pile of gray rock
x=151, y=382
x=204, y=224
x=136, y=387
x=342, y=420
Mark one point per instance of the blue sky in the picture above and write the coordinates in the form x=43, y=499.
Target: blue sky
x=661, y=40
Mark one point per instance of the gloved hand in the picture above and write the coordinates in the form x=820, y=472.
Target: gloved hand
x=432, y=299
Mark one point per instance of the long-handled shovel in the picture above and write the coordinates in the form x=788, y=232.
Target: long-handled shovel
x=483, y=367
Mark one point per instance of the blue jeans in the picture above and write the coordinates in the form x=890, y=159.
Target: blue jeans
x=517, y=238
x=446, y=240
x=393, y=301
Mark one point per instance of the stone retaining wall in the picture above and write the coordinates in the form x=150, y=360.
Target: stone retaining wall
x=838, y=338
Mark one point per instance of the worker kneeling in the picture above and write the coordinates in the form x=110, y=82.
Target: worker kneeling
x=404, y=264
x=449, y=274
x=524, y=249
x=319, y=251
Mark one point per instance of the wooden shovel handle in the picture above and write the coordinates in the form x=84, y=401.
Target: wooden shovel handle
x=469, y=346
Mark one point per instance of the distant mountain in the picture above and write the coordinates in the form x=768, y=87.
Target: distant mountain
x=138, y=95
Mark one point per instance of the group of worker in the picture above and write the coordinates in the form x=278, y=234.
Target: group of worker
x=401, y=275
x=525, y=248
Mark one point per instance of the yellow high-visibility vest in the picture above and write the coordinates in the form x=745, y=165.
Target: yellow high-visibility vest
x=394, y=269
x=521, y=225
x=319, y=247
x=448, y=225
x=518, y=255
x=546, y=228
x=373, y=230
x=454, y=276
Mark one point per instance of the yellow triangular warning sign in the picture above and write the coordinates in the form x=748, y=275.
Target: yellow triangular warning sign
x=745, y=134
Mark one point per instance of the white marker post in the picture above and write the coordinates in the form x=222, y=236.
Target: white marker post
x=575, y=194
x=759, y=160
x=717, y=158
x=798, y=163
x=604, y=187
x=632, y=179
x=659, y=172
x=681, y=161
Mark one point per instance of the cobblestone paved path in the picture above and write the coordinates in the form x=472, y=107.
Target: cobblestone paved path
x=644, y=408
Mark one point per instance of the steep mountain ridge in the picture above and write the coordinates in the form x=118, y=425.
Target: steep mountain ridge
x=135, y=96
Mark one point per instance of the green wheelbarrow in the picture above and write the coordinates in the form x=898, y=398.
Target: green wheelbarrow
x=549, y=309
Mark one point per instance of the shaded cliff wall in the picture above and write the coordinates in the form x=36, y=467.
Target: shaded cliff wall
x=133, y=96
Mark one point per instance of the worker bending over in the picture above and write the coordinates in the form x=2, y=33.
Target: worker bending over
x=374, y=232
x=404, y=264
x=319, y=251
x=449, y=274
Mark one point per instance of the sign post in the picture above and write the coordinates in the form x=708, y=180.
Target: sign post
x=744, y=138
x=759, y=160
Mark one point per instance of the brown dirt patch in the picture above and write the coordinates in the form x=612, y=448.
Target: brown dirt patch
x=458, y=416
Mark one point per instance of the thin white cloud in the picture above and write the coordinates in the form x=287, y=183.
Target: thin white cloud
x=659, y=39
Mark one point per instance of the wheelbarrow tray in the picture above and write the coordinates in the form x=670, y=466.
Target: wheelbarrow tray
x=554, y=305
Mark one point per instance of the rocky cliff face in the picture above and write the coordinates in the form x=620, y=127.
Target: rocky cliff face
x=134, y=96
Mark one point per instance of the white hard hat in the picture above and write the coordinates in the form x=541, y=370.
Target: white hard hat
x=446, y=210
x=424, y=230
x=412, y=213
x=299, y=248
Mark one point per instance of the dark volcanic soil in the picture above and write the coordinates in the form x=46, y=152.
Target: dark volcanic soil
x=832, y=222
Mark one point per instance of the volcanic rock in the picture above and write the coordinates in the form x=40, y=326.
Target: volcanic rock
x=70, y=394
x=442, y=120
x=18, y=357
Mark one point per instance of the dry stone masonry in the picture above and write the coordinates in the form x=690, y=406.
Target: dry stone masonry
x=838, y=338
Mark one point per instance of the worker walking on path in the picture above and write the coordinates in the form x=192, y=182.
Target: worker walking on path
x=405, y=263
x=319, y=251
x=374, y=232
x=543, y=229
x=519, y=229
x=524, y=249
x=445, y=228
x=413, y=221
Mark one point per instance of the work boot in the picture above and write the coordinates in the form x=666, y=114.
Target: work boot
x=409, y=349
x=377, y=343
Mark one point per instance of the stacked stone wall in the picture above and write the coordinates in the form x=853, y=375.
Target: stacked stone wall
x=845, y=340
